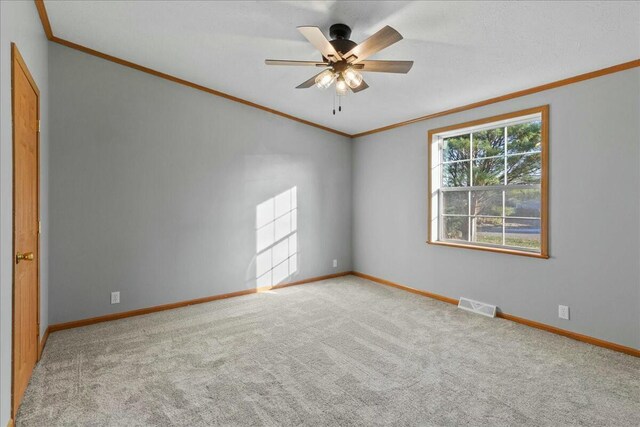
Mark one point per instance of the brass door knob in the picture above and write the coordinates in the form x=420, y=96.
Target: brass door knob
x=27, y=256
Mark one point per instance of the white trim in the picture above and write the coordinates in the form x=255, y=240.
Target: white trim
x=437, y=225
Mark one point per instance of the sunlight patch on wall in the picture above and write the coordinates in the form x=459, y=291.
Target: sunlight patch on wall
x=276, y=239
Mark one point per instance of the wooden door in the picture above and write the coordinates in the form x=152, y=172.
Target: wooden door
x=26, y=287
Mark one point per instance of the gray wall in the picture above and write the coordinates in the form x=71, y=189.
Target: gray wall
x=19, y=23
x=154, y=188
x=594, y=215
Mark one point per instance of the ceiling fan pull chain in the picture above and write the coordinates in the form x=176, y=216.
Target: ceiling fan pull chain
x=345, y=68
x=334, y=103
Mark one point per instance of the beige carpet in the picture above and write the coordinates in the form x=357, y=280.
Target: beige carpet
x=340, y=352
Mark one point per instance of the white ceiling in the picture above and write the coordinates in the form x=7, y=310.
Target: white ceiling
x=463, y=51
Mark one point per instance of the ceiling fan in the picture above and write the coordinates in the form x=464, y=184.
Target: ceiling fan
x=344, y=60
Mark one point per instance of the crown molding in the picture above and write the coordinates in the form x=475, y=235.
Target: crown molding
x=44, y=18
x=192, y=85
x=46, y=25
x=558, y=83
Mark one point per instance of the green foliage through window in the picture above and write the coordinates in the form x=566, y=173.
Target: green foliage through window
x=490, y=186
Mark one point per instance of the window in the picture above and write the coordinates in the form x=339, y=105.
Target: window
x=488, y=184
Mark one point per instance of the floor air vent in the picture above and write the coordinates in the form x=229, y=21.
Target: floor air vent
x=477, y=307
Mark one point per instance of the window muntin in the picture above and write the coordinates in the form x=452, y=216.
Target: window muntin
x=487, y=184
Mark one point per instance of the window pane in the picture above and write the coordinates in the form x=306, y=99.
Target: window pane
x=455, y=174
x=523, y=202
x=524, y=138
x=523, y=233
x=488, y=143
x=486, y=230
x=490, y=184
x=456, y=148
x=455, y=202
x=524, y=169
x=455, y=228
x=488, y=171
x=486, y=202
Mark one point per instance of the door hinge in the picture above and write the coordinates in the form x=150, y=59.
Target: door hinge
x=38, y=126
x=39, y=227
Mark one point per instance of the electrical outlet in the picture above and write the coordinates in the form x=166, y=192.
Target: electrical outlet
x=115, y=297
x=563, y=312
x=335, y=263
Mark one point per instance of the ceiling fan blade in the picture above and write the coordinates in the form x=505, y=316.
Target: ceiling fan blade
x=360, y=88
x=402, y=67
x=317, y=38
x=380, y=40
x=308, y=83
x=300, y=63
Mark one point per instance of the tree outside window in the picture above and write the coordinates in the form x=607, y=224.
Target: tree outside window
x=486, y=183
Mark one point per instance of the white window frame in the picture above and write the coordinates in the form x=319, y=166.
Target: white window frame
x=436, y=190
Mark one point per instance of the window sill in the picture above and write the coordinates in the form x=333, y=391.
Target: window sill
x=490, y=249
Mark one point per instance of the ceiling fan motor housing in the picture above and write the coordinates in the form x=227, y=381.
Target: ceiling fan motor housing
x=340, y=31
x=340, y=34
x=342, y=58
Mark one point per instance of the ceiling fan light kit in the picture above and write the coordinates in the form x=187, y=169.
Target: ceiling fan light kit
x=345, y=60
x=342, y=88
x=325, y=79
x=352, y=77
